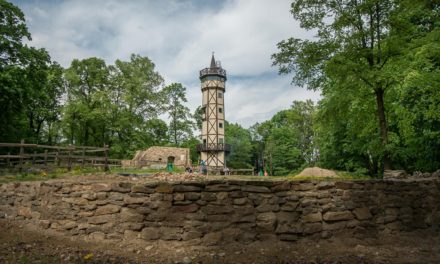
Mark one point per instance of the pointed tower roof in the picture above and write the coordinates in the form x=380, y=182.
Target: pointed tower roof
x=212, y=61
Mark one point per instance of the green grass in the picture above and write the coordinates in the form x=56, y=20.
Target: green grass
x=142, y=171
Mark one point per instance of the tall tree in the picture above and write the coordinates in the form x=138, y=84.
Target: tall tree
x=241, y=148
x=355, y=44
x=181, y=124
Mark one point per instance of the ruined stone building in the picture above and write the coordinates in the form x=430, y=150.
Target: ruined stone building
x=158, y=157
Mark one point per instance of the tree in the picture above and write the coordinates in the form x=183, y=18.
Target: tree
x=181, y=125
x=30, y=84
x=241, y=148
x=87, y=111
x=356, y=44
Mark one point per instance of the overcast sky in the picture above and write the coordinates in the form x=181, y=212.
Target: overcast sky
x=179, y=37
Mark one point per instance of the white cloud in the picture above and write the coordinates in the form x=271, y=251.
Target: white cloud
x=179, y=37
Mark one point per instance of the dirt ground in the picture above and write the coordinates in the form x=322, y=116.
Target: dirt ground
x=21, y=244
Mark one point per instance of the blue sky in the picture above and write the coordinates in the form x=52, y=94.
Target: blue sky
x=179, y=37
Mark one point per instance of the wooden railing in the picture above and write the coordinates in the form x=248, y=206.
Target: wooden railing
x=56, y=156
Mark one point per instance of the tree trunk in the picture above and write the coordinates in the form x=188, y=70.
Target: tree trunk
x=383, y=127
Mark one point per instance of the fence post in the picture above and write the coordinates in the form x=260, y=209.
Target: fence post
x=8, y=160
x=69, y=159
x=83, y=158
x=57, y=158
x=45, y=158
x=106, y=167
x=21, y=156
x=33, y=157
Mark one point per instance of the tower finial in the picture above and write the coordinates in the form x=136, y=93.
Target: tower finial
x=213, y=61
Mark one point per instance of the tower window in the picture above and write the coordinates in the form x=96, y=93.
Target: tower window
x=220, y=95
x=204, y=141
x=220, y=140
x=220, y=110
x=220, y=125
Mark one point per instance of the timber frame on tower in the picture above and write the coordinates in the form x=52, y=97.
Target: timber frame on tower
x=214, y=148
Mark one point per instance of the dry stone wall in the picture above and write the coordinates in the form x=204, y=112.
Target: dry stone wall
x=214, y=212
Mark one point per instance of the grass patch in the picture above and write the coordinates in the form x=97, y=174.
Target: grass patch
x=143, y=171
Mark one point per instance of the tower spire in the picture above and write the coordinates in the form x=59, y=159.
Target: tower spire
x=212, y=61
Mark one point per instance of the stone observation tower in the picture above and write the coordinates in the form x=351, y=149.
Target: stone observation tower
x=213, y=148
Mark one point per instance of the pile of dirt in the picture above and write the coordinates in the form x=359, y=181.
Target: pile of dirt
x=318, y=172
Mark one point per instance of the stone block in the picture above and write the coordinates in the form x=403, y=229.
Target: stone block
x=190, y=208
x=187, y=188
x=214, y=209
x=101, y=187
x=312, y=218
x=101, y=219
x=303, y=186
x=289, y=206
x=334, y=226
x=255, y=189
x=164, y=188
x=130, y=215
x=362, y=213
x=171, y=233
x=287, y=217
x=131, y=235
x=208, y=196
x=121, y=187
x=130, y=226
x=338, y=216
x=179, y=197
x=312, y=228
x=212, y=239
x=281, y=187
x=266, y=221
x=222, y=188
x=325, y=185
x=25, y=212
x=262, y=208
x=191, y=235
x=135, y=200
x=241, y=201
x=97, y=236
x=192, y=196
x=141, y=188
x=150, y=233
x=108, y=209
x=76, y=201
x=89, y=196
x=344, y=185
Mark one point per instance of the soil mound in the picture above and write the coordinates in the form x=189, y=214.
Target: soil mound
x=317, y=172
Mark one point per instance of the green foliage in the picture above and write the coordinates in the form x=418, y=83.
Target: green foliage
x=374, y=62
x=286, y=142
x=241, y=147
x=181, y=125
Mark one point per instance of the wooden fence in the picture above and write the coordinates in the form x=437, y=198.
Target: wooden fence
x=56, y=156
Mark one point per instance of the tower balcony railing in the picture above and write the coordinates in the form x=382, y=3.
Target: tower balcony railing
x=213, y=147
x=213, y=71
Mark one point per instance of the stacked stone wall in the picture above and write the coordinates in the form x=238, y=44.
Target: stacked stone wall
x=214, y=212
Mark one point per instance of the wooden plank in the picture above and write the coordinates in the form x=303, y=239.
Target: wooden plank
x=10, y=156
x=18, y=145
x=54, y=147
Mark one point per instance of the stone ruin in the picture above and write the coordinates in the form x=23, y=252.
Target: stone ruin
x=158, y=157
